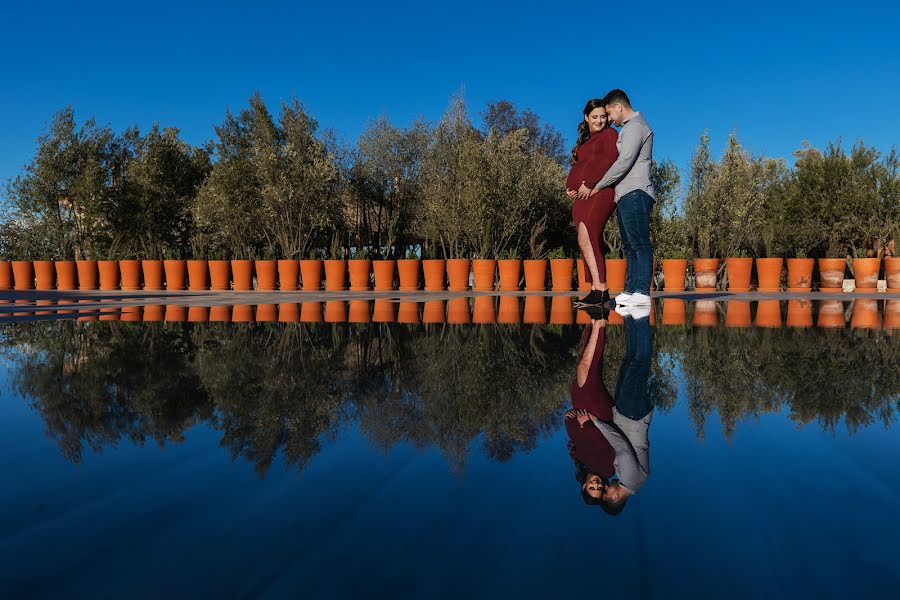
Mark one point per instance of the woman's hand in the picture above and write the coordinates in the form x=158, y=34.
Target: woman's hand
x=571, y=194
x=584, y=191
x=581, y=414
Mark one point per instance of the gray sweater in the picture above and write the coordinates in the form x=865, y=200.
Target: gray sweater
x=631, y=171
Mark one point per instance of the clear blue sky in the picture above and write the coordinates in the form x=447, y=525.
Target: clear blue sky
x=779, y=72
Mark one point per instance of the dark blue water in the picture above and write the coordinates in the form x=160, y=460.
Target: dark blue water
x=376, y=460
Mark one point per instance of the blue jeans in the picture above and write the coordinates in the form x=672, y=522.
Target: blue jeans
x=633, y=214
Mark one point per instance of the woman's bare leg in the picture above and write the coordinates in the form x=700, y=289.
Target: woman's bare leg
x=587, y=251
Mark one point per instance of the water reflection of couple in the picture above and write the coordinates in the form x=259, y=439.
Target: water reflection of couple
x=611, y=170
x=608, y=439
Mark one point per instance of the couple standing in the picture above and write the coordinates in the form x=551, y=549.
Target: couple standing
x=610, y=171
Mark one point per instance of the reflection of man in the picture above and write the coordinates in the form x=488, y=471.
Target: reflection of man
x=627, y=433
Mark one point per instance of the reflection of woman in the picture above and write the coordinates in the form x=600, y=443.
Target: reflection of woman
x=590, y=450
x=593, y=154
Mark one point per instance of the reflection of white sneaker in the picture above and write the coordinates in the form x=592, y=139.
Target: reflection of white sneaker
x=634, y=311
x=622, y=299
x=638, y=299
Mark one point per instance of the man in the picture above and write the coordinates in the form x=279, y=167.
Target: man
x=630, y=175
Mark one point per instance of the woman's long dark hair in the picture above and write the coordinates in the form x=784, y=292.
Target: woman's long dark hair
x=584, y=131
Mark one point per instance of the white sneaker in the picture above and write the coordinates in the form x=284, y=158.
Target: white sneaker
x=622, y=299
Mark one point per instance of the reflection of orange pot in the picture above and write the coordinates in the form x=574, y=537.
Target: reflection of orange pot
x=892, y=315
x=153, y=274
x=308, y=312
x=768, y=272
x=176, y=274
x=220, y=313
x=800, y=274
x=536, y=309
x=509, y=310
x=335, y=311
x=892, y=273
x=705, y=314
x=582, y=318
x=615, y=318
x=359, y=311
x=615, y=274
x=739, y=271
x=483, y=271
x=384, y=311
x=483, y=310
x=359, y=273
x=335, y=275
x=6, y=275
x=674, y=272
x=66, y=275
x=705, y=274
x=408, y=269
x=561, y=274
x=198, y=314
x=110, y=314
x=198, y=274
x=831, y=314
x=865, y=272
x=311, y=274
x=130, y=271
x=581, y=271
x=288, y=275
x=132, y=313
x=434, y=310
x=799, y=313
x=865, y=313
x=673, y=312
x=174, y=313
x=220, y=275
x=242, y=275
x=458, y=273
x=242, y=313
x=768, y=313
x=510, y=274
x=535, y=275
x=44, y=303
x=458, y=311
x=737, y=314
x=153, y=313
x=831, y=274
x=266, y=313
x=87, y=274
x=89, y=312
x=44, y=275
x=23, y=274
x=561, y=310
x=435, y=274
x=266, y=274
x=384, y=271
x=408, y=312
x=109, y=274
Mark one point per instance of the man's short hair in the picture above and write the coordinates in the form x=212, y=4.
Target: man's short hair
x=617, y=95
x=613, y=508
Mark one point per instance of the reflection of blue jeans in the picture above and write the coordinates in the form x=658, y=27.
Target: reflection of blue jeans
x=632, y=399
x=633, y=213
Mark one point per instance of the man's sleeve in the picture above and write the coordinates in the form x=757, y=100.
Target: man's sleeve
x=629, y=149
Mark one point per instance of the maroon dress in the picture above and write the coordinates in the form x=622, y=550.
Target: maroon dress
x=594, y=158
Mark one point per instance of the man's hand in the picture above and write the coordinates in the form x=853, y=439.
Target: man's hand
x=584, y=191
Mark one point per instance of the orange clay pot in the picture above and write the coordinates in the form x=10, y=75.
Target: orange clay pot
x=130, y=271
x=198, y=275
x=384, y=271
x=242, y=275
x=288, y=275
x=6, y=275
x=335, y=275
x=88, y=274
x=458, y=273
x=23, y=274
x=176, y=274
x=561, y=274
x=359, y=273
x=865, y=272
x=483, y=270
x=535, y=275
x=892, y=273
x=674, y=273
x=510, y=274
x=615, y=274
x=739, y=271
x=153, y=274
x=435, y=273
x=581, y=274
x=831, y=274
x=220, y=276
x=737, y=314
x=408, y=270
x=44, y=275
x=109, y=274
x=799, y=313
x=266, y=274
x=800, y=274
x=66, y=275
x=705, y=274
x=831, y=314
x=311, y=272
x=768, y=313
x=768, y=273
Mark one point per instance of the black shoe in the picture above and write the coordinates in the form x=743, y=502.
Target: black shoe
x=594, y=298
x=596, y=313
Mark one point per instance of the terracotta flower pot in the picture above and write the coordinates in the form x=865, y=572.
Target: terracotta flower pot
x=510, y=310
x=153, y=313
x=831, y=274
x=198, y=314
x=132, y=314
x=44, y=275
x=153, y=274
x=739, y=271
x=383, y=311
x=384, y=271
x=176, y=274
x=510, y=274
x=311, y=271
x=288, y=274
x=23, y=274
x=66, y=275
x=831, y=314
x=408, y=269
x=435, y=274
x=706, y=272
x=768, y=313
x=109, y=274
x=891, y=315
x=581, y=275
x=458, y=273
x=174, y=313
x=674, y=273
x=408, y=312
x=561, y=310
x=6, y=275
x=705, y=313
x=892, y=273
x=458, y=309
x=800, y=274
x=535, y=275
x=220, y=314
x=737, y=314
x=865, y=272
x=242, y=274
x=483, y=310
x=335, y=311
x=799, y=313
x=865, y=313
x=434, y=311
x=242, y=313
x=198, y=275
x=484, y=271
x=308, y=312
x=768, y=273
x=335, y=275
x=88, y=274
x=266, y=275
x=359, y=268
x=615, y=274
x=220, y=276
x=561, y=274
x=266, y=313
x=131, y=274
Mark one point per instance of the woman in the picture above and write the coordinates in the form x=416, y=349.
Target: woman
x=593, y=154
